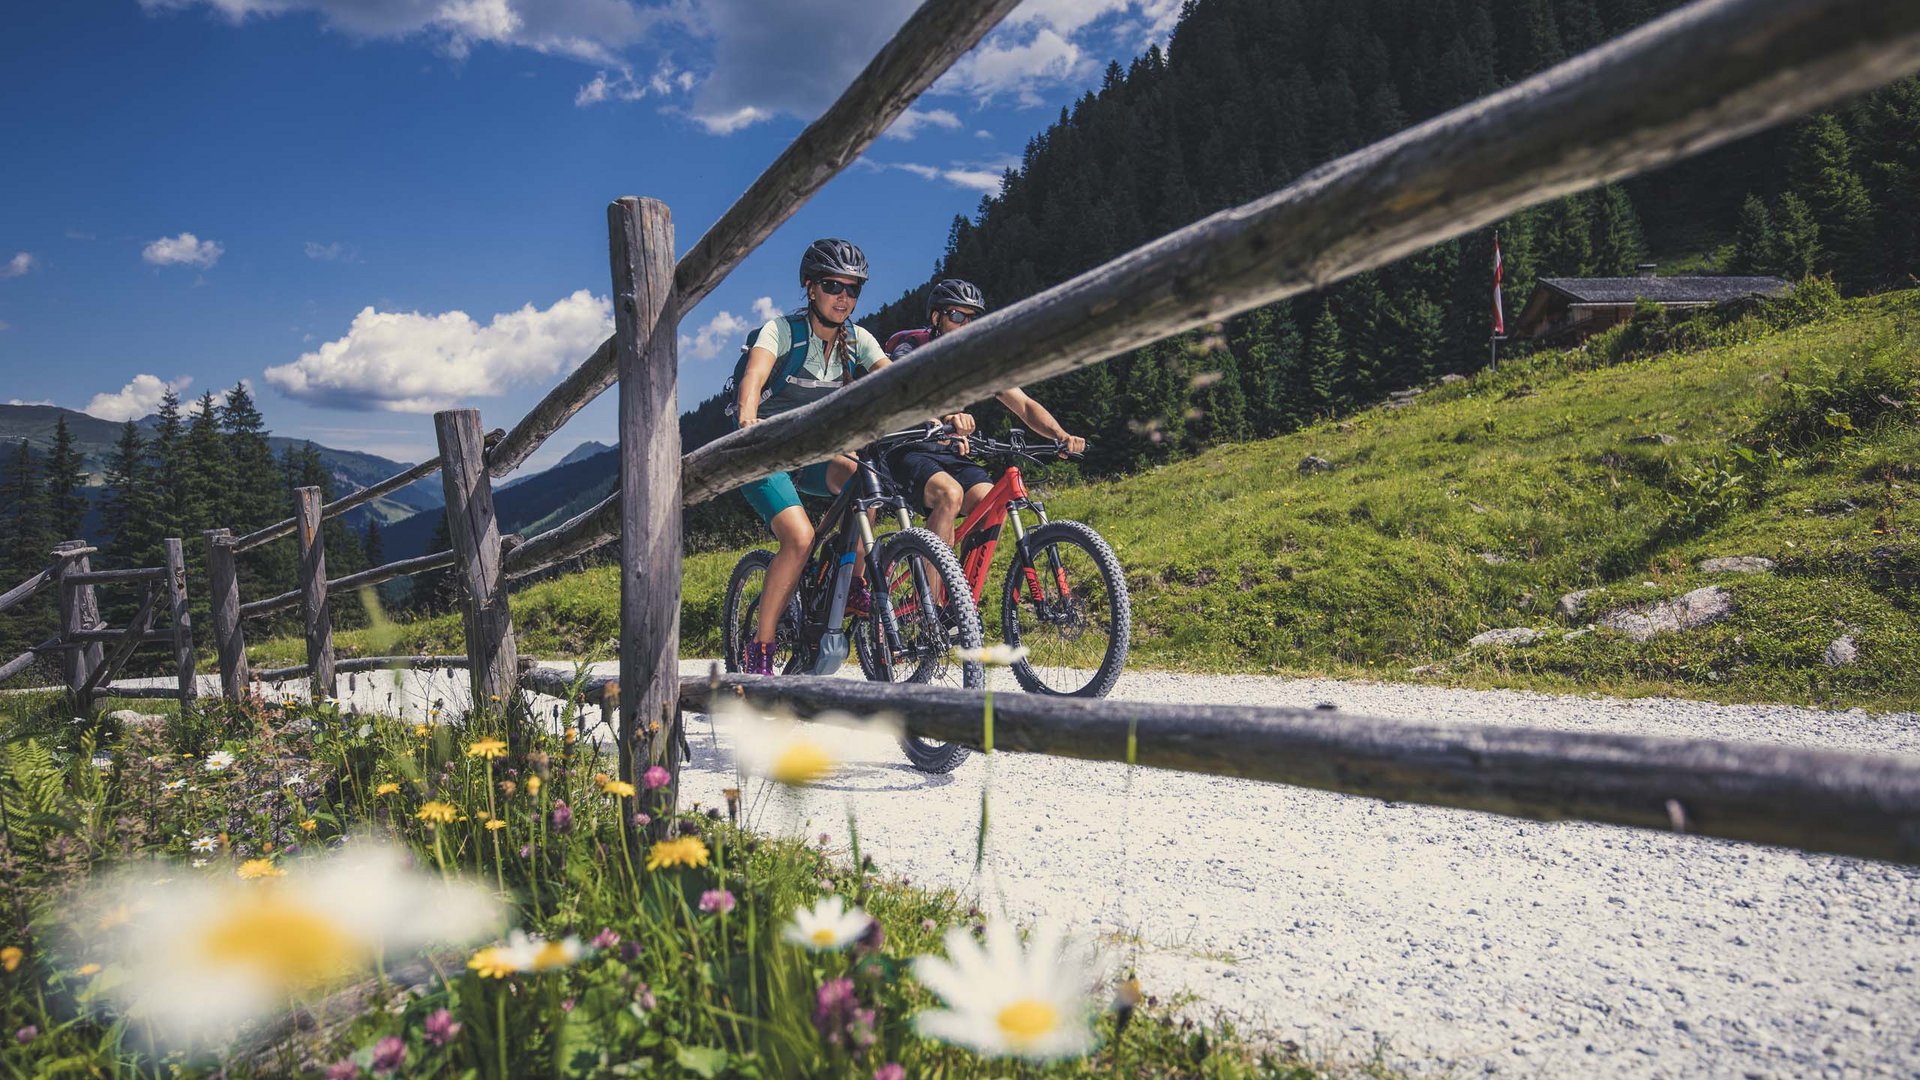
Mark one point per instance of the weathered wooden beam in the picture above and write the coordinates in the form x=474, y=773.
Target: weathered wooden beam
x=340, y=505
x=419, y=564
x=475, y=533
x=1864, y=805
x=646, y=327
x=282, y=674
x=25, y=589
x=229, y=638
x=114, y=577
x=175, y=584
x=931, y=40
x=25, y=660
x=130, y=639
x=139, y=692
x=107, y=635
x=253, y=609
x=79, y=610
x=561, y=684
x=317, y=620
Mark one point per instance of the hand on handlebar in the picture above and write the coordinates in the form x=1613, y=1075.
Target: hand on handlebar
x=1075, y=446
x=961, y=423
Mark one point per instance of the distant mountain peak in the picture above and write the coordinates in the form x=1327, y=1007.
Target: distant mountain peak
x=585, y=450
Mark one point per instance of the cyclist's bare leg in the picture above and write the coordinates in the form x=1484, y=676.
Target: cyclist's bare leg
x=976, y=495
x=794, y=530
x=943, y=498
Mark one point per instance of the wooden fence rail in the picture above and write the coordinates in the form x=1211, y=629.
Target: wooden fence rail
x=340, y=505
x=80, y=645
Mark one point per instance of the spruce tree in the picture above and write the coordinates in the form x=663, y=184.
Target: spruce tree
x=171, y=503
x=126, y=511
x=1797, y=239
x=255, y=499
x=23, y=514
x=65, y=484
x=1326, y=363
x=1755, y=248
x=1617, y=240
x=209, y=501
x=1824, y=176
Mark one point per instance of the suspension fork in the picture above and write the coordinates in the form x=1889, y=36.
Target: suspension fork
x=1057, y=568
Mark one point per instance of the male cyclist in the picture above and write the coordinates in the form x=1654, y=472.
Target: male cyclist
x=947, y=484
x=832, y=272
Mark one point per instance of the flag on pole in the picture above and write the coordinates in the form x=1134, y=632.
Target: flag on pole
x=1499, y=315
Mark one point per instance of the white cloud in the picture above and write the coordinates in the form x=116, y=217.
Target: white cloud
x=17, y=401
x=591, y=30
x=725, y=331
x=139, y=398
x=624, y=86
x=728, y=123
x=334, y=252
x=18, y=265
x=975, y=176
x=911, y=121
x=411, y=362
x=1000, y=66
x=790, y=58
x=183, y=250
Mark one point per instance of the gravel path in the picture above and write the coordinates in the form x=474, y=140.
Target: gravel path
x=1445, y=940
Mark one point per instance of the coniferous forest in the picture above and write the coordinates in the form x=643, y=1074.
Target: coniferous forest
x=206, y=465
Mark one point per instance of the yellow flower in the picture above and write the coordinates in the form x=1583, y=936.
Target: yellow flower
x=569, y=736
x=85, y=970
x=388, y=788
x=437, y=813
x=10, y=958
x=487, y=748
x=309, y=825
x=619, y=789
x=253, y=869
x=801, y=762
x=533, y=785
x=116, y=916
x=493, y=697
x=601, y=778
x=492, y=962
x=422, y=730
x=683, y=851
x=496, y=823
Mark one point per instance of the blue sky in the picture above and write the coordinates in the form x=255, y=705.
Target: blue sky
x=374, y=208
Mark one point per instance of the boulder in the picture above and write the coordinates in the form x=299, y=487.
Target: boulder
x=1451, y=378
x=1660, y=437
x=1841, y=651
x=129, y=718
x=1513, y=635
x=1737, y=564
x=1695, y=609
x=1313, y=463
x=1571, y=604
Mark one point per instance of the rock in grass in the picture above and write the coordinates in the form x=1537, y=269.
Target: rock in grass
x=1659, y=437
x=1313, y=463
x=1571, y=604
x=1697, y=608
x=1841, y=651
x=1512, y=635
x=1737, y=564
x=132, y=719
x=1494, y=558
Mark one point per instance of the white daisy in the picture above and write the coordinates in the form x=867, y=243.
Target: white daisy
x=779, y=747
x=219, y=760
x=174, y=785
x=1006, y=1001
x=206, y=845
x=295, y=779
x=829, y=924
x=995, y=655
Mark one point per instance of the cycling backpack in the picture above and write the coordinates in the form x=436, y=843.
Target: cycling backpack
x=907, y=340
x=800, y=329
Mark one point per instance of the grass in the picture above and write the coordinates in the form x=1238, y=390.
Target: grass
x=645, y=977
x=1607, y=467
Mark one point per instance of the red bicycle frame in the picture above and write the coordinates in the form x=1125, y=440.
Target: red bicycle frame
x=977, y=537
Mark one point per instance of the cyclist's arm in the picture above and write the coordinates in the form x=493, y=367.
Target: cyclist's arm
x=752, y=381
x=1033, y=414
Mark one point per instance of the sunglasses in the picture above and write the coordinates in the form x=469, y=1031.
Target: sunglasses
x=835, y=288
x=958, y=316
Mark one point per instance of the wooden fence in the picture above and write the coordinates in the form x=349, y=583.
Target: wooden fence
x=1699, y=77
x=83, y=640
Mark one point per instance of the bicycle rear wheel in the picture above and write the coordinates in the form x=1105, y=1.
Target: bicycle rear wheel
x=740, y=615
x=930, y=628
x=1069, y=606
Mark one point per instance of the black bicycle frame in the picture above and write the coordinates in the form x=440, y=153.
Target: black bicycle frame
x=821, y=639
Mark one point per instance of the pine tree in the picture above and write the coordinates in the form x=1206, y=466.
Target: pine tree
x=1326, y=363
x=1797, y=239
x=1617, y=240
x=23, y=516
x=254, y=501
x=1566, y=238
x=209, y=489
x=1823, y=175
x=1755, y=248
x=65, y=483
x=126, y=512
x=170, y=469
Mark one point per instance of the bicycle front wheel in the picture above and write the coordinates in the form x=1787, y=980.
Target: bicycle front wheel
x=933, y=607
x=1068, y=604
x=740, y=615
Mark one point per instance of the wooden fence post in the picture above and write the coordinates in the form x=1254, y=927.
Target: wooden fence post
x=176, y=590
x=79, y=610
x=223, y=586
x=645, y=327
x=313, y=591
x=475, y=534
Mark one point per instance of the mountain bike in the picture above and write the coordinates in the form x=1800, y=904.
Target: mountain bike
x=1065, y=595
x=922, y=613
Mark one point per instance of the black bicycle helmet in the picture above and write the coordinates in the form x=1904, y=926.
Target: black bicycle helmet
x=952, y=292
x=833, y=257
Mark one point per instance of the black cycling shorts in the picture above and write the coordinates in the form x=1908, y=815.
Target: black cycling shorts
x=912, y=467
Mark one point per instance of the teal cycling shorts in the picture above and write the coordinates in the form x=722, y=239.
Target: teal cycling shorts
x=771, y=494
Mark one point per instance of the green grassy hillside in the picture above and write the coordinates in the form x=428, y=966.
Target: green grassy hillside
x=1789, y=434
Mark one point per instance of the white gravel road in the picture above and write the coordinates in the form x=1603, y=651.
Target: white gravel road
x=1447, y=941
